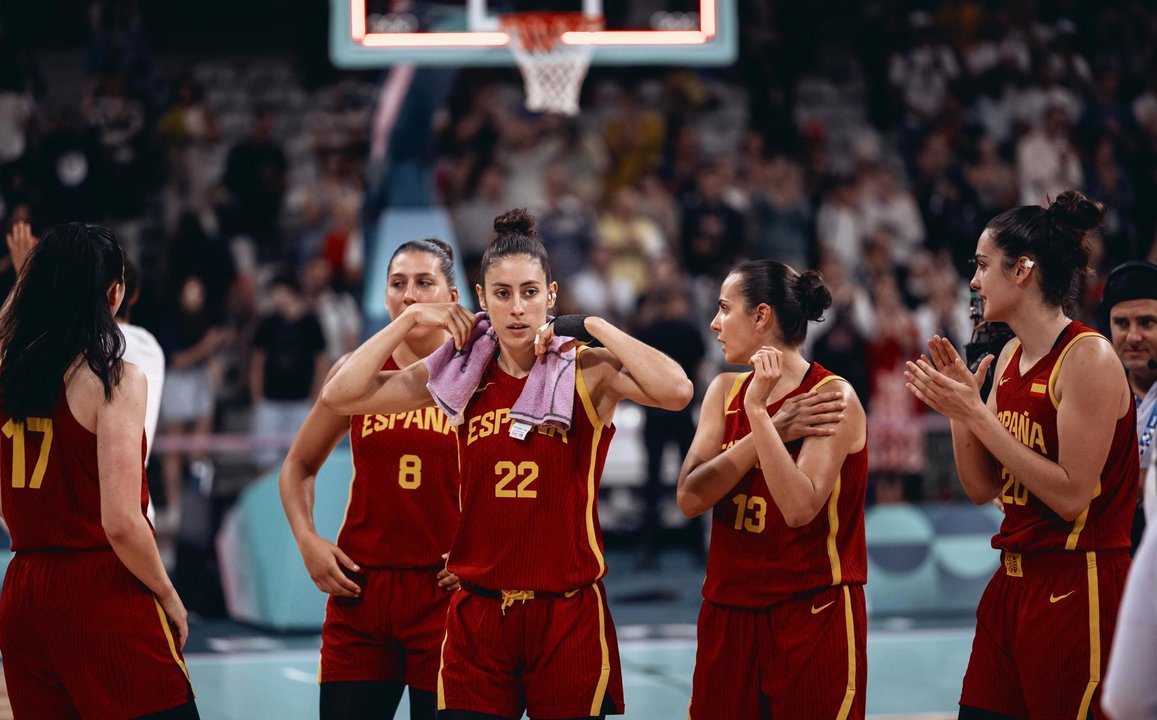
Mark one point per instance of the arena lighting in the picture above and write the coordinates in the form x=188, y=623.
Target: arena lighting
x=499, y=39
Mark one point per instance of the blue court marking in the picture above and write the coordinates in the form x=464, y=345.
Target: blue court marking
x=911, y=674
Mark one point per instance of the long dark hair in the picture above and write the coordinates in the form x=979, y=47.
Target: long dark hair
x=59, y=310
x=795, y=297
x=1056, y=238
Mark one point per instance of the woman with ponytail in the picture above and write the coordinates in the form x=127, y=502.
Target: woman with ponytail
x=530, y=629
x=90, y=625
x=1056, y=443
x=399, y=522
x=783, y=600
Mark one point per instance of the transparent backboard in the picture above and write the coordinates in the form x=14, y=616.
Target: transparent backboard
x=375, y=33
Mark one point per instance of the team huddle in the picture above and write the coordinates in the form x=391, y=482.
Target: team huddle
x=469, y=567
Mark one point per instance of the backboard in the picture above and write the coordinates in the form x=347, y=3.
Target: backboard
x=376, y=33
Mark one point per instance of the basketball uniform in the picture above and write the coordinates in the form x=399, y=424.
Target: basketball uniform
x=531, y=630
x=401, y=518
x=783, y=630
x=1046, y=619
x=80, y=635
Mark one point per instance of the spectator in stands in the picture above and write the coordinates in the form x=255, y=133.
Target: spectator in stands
x=118, y=121
x=255, y=176
x=142, y=350
x=633, y=239
x=474, y=217
x=840, y=224
x=635, y=139
x=336, y=309
x=189, y=131
x=566, y=224
x=66, y=167
x=840, y=342
x=921, y=76
x=713, y=233
x=673, y=332
x=890, y=208
x=1047, y=164
x=192, y=341
x=784, y=220
x=286, y=369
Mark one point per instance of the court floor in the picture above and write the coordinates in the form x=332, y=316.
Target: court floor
x=912, y=673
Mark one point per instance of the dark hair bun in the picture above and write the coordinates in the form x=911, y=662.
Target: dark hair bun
x=1073, y=211
x=518, y=221
x=814, y=296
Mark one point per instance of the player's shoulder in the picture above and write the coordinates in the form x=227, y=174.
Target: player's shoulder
x=727, y=385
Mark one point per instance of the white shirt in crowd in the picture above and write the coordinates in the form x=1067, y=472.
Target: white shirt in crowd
x=1130, y=693
x=143, y=350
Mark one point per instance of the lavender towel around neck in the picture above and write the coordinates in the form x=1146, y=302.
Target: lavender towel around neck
x=547, y=399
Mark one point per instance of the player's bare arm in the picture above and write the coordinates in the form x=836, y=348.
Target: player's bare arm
x=800, y=490
x=361, y=386
x=1085, y=426
x=315, y=440
x=627, y=368
x=120, y=425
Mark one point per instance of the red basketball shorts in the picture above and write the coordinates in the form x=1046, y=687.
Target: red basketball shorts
x=802, y=658
x=554, y=657
x=82, y=637
x=1043, y=630
x=391, y=633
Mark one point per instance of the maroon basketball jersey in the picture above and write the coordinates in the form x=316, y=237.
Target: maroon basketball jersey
x=1027, y=405
x=403, y=504
x=50, y=484
x=756, y=559
x=529, y=507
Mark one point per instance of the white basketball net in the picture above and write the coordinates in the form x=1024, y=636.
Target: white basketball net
x=552, y=69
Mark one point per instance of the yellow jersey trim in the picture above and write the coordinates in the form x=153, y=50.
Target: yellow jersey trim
x=592, y=493
x=172, y=644
x=584, y=394
x=605, y=671
x=1079, y=523
x=441, y=665
x=735, y=388
x=825, y=381
x=833, y=528
x=1094, y=637
x=1014, y=344
x=849, y=623
x=1057, y=367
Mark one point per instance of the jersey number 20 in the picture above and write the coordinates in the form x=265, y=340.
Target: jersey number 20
x=15, y=431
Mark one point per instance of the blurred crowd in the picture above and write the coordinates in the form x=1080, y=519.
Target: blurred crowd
x=877, y=155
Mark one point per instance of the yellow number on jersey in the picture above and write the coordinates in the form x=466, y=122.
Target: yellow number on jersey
x=1012, y=492
x=15, y=431
x=757, y=505
x=526, y=470
x=410, y=471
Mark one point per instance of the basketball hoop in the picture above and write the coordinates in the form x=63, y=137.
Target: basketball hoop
x=552, y=68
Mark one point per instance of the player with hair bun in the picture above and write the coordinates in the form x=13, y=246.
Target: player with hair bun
x=530, y=629
x=388, y=591
x=1057, y=444
x=783, y=629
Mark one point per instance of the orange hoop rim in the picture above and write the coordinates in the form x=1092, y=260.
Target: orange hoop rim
x=540, y=31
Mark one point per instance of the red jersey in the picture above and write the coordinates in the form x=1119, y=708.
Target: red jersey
x=403, y=503
x=756, y=559
x=1027, y=405
x=50, y=483
x=529, y=507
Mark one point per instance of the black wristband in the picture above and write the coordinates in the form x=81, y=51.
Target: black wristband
x=573, y=326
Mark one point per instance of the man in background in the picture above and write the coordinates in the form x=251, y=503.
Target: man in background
x=1130, y=304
